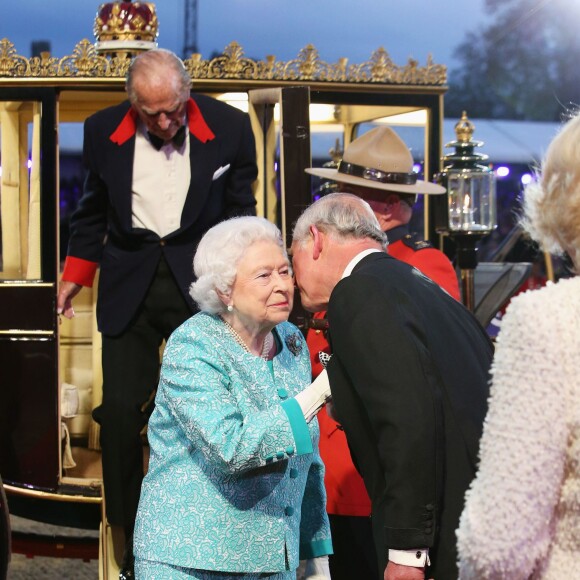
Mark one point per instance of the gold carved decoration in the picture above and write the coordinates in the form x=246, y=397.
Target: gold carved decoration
x=86, y=62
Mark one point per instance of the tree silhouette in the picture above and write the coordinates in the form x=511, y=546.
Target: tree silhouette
x=524, y=65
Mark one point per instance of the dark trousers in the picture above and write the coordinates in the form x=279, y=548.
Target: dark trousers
x=130, y=375
x=354, y=549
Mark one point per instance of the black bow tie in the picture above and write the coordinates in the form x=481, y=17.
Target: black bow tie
x=177, y=140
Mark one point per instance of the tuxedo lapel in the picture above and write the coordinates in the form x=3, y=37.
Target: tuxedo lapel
x=124, y=157
x=203, y=158
x=122, y=141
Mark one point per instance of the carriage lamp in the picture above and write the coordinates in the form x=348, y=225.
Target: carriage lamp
x=469, y=211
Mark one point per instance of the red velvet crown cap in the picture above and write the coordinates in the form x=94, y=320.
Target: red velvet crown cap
x=126, y=21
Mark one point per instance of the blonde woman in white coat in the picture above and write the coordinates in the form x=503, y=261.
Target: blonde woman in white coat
x=522, y=514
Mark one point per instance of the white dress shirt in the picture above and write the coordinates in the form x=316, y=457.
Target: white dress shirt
x=160, y=184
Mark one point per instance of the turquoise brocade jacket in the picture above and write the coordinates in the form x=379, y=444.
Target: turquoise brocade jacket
x=235, y=480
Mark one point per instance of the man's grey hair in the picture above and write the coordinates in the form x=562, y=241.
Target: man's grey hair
x=343, y=217
x=157, y=65
x=220, y=250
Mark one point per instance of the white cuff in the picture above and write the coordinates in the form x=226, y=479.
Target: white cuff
x=313, y=397
x=317, y=569
x=417, y=558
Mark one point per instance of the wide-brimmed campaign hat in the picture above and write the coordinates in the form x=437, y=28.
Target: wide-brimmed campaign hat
x=378, y=159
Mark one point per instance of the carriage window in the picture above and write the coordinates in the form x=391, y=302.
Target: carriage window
x=20, y=190
x=71, y=176
x=327, y=143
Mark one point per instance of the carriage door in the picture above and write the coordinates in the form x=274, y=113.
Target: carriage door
x=29, y=428
x=281, y=123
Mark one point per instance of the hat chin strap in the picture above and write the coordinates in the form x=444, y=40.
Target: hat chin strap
x=373, y=174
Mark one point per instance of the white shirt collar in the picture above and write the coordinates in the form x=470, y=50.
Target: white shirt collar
x=350, y=266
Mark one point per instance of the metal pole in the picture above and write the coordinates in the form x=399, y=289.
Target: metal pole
x=468, y=288
x=467, y=262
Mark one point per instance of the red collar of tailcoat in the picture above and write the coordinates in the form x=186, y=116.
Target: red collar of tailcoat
x=197, y=125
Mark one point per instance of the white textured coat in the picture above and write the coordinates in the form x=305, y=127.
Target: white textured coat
x=522, y=513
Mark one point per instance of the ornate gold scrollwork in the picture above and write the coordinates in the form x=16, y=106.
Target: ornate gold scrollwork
x=86, y=62
x=12, y=64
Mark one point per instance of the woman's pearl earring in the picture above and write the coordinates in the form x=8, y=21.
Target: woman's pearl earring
x=230, y=308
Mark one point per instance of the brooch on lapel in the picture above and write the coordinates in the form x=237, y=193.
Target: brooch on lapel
x=324, y=358
x=294, y=344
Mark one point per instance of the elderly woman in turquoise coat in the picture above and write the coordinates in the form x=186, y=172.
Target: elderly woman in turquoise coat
x=235, y=480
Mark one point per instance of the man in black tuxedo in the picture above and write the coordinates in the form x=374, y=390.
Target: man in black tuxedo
x=161, y=169
x=408, y=376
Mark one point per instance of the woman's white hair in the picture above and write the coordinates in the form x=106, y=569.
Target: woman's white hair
x=343, y=216
x=218, y=254
x=551, y=203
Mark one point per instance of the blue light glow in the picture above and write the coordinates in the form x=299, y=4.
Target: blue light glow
x=526, y=178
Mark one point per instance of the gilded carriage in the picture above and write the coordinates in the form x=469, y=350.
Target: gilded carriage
x=50, y=368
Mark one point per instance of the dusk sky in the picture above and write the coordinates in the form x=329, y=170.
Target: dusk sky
x=337, y=28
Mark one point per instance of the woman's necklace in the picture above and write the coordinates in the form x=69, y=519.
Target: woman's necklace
x=268, y=341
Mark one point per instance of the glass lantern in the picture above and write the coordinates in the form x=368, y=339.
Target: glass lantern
x=470, y=209
x=470, y=185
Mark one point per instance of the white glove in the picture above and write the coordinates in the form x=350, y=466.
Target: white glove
x=317, y=569
x=314, y=396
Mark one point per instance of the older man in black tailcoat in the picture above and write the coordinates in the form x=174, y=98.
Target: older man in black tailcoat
x=409, y=381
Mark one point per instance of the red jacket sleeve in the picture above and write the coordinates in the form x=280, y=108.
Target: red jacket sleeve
x=79, y=271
